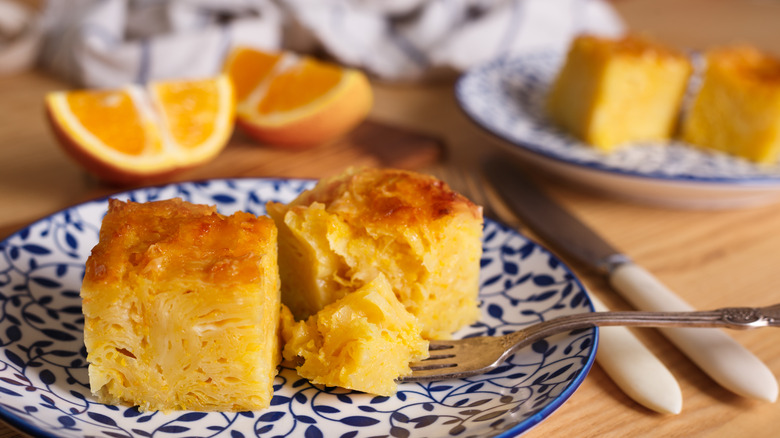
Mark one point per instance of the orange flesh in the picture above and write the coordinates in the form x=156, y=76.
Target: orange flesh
x=112, y=117
x=190, y=109
x=299, y=86
x=248, y=68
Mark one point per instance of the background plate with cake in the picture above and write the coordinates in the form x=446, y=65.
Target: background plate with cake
x=508, y=98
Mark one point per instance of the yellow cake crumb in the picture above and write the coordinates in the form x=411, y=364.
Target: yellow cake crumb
x=412, y=228
x=611, y=92
x=737, y=109
x=181, y=308
x=363, y=341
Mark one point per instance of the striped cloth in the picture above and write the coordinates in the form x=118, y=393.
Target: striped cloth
x=105, y=43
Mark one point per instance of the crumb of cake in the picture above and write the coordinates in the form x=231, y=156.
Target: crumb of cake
x=363, y=341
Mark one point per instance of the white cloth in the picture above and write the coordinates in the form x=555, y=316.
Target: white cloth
x=20, y=37
x=105, y=43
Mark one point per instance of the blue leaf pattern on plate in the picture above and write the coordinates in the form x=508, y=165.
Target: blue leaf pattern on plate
x=44, y=386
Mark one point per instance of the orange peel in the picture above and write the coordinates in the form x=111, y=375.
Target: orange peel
x=136, y=133
x=285, y=99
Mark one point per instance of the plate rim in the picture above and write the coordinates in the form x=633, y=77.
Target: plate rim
x=18, y=423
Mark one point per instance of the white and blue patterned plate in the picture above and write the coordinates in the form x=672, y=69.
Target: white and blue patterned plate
x=43, y=374
x=507, y=97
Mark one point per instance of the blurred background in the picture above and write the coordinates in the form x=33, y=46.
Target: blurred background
x=413, y=106
x=412, y=51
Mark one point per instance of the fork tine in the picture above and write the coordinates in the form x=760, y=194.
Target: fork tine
x=438, y=352
x=421, y=375
x=469, y=181
x=440, y=355
x=461, y=180
x=456, y=359
x=433, y=363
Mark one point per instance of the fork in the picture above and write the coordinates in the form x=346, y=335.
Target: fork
x=468, y=180
x=457, y=359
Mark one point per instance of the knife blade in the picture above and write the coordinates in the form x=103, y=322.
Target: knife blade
x=726, y=361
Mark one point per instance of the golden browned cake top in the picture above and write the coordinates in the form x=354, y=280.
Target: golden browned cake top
x=747, y=62
x=172, y=239
x=388, y=196
x=628, y=45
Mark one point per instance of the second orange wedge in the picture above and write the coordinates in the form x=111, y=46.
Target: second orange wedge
x=137, y=134
x=296, y=101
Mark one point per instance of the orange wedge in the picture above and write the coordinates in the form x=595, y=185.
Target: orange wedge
x=289, y=100
x=135, y=134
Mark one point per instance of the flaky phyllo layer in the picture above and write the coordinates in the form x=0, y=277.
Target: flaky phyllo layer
x=181, y=308
x=421, y=236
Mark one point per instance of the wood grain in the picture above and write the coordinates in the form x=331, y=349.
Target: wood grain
x=710, y=258
x=37, y=178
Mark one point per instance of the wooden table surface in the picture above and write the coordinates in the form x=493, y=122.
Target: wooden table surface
x=710, y=258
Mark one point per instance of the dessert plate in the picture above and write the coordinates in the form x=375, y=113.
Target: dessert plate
x=43, y=373
x=507, y=99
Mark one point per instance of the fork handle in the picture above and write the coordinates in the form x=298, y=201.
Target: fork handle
x=730, y=317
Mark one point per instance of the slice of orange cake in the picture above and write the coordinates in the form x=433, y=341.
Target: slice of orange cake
x=737, y=108
x=616, y=91
x=181, y=308
x=411, y=228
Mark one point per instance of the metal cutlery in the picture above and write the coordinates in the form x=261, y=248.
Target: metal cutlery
x=721, y=357
x=461, y=358
x=622, y=356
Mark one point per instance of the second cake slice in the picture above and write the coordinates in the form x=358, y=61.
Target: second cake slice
x=412, y=228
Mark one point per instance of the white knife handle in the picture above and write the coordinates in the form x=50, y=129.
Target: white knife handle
x=635, y=369
x=726, y=361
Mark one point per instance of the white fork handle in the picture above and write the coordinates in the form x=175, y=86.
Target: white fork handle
x=635, y=369
x=726, y=361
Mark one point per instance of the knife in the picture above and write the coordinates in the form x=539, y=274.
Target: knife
x=726, y=361
x=626, y=360
x=635, y=369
